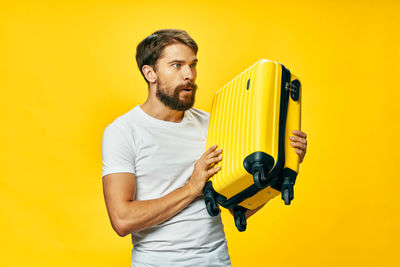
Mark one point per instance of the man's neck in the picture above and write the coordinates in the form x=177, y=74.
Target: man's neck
x=159, y=111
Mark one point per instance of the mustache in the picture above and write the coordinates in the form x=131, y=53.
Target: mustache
x=188, y=85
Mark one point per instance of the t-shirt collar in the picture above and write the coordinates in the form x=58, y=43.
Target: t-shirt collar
x=187, y=118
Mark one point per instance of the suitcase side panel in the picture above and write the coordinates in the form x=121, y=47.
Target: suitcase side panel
x=293, y=122
x=267, y=130
x=239, y=135
x=268, y=105
x=224, y=129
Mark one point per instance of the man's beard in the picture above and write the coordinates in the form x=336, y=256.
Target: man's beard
x=173, y=101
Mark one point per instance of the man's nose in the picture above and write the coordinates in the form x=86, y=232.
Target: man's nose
x=188, y=73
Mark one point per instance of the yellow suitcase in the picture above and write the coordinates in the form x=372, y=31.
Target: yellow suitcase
x=251, y=119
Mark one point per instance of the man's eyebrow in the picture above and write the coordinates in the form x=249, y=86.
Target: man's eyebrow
x=181, y=61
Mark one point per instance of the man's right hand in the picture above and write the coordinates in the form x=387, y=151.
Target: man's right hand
x=204, y=169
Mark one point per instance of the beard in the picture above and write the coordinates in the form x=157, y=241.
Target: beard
x=173, y=101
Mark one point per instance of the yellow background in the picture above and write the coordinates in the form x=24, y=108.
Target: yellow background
x=68, y=69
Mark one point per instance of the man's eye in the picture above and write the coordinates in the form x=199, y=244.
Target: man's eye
x=176, y=65
x=193, y=65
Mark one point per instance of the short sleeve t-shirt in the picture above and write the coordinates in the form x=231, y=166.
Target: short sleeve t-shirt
x=162, y=155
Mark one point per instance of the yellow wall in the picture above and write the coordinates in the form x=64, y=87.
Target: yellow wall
x=68, y=69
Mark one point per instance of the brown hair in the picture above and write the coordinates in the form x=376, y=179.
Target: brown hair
x=150, y=49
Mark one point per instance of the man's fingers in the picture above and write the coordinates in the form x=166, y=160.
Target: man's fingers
x=299, y=133
x=208, y=151
x=298, y=139
x=299, y=145
x=213, y=171
x=211, y=149
x=213, y=160
x=214, y=153
x=299, y=152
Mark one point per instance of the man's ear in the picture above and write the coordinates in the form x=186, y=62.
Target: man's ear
x=149, y=73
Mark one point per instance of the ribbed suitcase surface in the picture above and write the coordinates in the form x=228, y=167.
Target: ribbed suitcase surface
x=251, y=117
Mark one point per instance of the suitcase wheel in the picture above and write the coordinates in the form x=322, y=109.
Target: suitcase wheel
x=285, y=196
x=240, y=223
x=258, y=178
x=239, y=214
x=212, y=207
x=287, y=190
x=211, y=204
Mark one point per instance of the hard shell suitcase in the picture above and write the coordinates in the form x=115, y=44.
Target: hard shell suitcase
x=251, y=119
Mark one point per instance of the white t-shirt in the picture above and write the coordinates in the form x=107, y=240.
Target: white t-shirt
x=162, y=155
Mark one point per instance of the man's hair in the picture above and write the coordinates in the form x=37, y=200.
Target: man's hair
x=151, y=48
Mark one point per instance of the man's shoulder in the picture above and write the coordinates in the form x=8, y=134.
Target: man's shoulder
x=200, y=114
x=125, y=121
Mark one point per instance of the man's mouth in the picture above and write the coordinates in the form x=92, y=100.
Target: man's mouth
x=188, y=88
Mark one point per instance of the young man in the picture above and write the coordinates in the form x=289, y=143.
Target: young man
x=155, y=167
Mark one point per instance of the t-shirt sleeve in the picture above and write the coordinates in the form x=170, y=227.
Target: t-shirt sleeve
x=206, y=122
x=118, y=150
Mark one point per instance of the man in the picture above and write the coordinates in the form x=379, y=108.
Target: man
x=154, y=168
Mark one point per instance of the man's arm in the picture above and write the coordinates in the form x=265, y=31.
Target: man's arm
x=129, y=215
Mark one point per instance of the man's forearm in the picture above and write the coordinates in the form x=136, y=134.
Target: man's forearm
x=138, y=215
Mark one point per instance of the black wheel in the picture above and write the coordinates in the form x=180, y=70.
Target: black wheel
x=240, y=222
x=212, y=208
x=239, y=214
x=286, y=196
x=287, y=190
x=257, y=179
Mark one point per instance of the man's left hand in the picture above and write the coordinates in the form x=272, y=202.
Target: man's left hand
x=299, y=142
